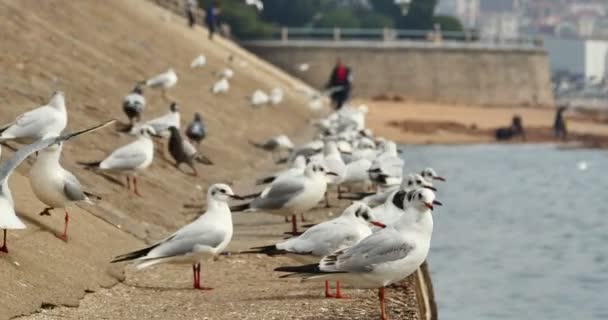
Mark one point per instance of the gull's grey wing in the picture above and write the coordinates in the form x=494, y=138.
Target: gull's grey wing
x=125, y=158
x=7, y=167
x=279, y=194
x=182, y=243
x=72, y=188
x=323, y=239
x=376, y=249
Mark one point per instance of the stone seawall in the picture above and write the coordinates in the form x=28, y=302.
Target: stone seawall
x=450, y=74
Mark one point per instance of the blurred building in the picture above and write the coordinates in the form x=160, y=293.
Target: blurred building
x=499, y=19
x=582, y=57
x=468, y=12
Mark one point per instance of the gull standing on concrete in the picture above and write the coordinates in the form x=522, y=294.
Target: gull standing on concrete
x=325, y=238
x=276, y=96
x=129, y=159
x=198, y=62
x=54, y=186
x=134, y=104
x=8, y=218
x=221, y=86
x=183, y=152
x=46, y=121
x=259, y=98
x=196, y=130
x=293, y=195
x=385, y=257
x=202, y=239
x=275, y=145
x=163, y=81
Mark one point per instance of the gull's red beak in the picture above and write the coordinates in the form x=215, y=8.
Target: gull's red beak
x=439, y=178
x=378, y=224
x=428, y=205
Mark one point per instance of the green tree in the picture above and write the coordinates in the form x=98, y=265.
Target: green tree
x=338, y=18
x=448, y=23
x=419, y=16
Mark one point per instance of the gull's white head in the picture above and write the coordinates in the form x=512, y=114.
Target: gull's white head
x=316, y=169
x=221, y=192
x=362, y=213
x=422, y=199
x=57, y=100
x=415, y=181
x=429, y=174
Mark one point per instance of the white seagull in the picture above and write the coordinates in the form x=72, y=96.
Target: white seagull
x=296, y=169
x=429, y=174
x=163, y=81
x=8, y=218
x=221, y=86
x=202, y=239
x=275, y=145
x=383, y=258
x=131, y=158
x=292, y=195
x=325, y=238
x=46, y=121
x=54, y=186
x=198, y=62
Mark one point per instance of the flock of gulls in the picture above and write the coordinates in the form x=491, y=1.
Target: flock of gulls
x=382, y=237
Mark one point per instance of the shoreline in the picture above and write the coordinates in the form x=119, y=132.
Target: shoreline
x=420, y=123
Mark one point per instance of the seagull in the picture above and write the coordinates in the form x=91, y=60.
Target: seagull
x=259, y=98
x=134, y=104
x=162, y=124
x=196, y=130
x=163, y=81
x=43, y=122
x=198, y=62
x=291, y=195
x=387, y=168
x=258, y=4
x=429, y=174
x=202, y=239
x=334, y=163
x=356, y=175
x=131, y=158
x=275, y=145
x=392, y=207
x=183, y=152
x=383, y=258
x=276, y=96
x=326, y=238
x=8, y=218
x=221, y=86
x=54, y=186
x=226, y=73
x=410, y=182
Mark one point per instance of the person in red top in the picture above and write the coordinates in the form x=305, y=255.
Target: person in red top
x=339, y=84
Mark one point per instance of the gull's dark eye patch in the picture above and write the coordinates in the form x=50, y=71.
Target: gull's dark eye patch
x=365, y=216
x=222, y=191
x=409, y=183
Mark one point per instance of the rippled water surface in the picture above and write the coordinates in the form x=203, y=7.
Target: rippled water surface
x=523, y=233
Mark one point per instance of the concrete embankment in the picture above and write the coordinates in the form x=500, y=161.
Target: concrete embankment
x=95, y=51
x=463, y=74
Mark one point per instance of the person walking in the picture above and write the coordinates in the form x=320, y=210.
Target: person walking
x=211, y=17
x=191, y=7
x=339, y=84
x=560, y=130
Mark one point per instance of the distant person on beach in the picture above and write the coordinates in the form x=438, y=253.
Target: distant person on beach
x=516, y=129
x=191, y=8
x=339, y=84
x=211, y=17
x=559, y=125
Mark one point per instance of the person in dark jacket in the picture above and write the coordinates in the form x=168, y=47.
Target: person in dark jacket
x=559, y=125
x=211, y=17
x=191, y=7
x=339, y=84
